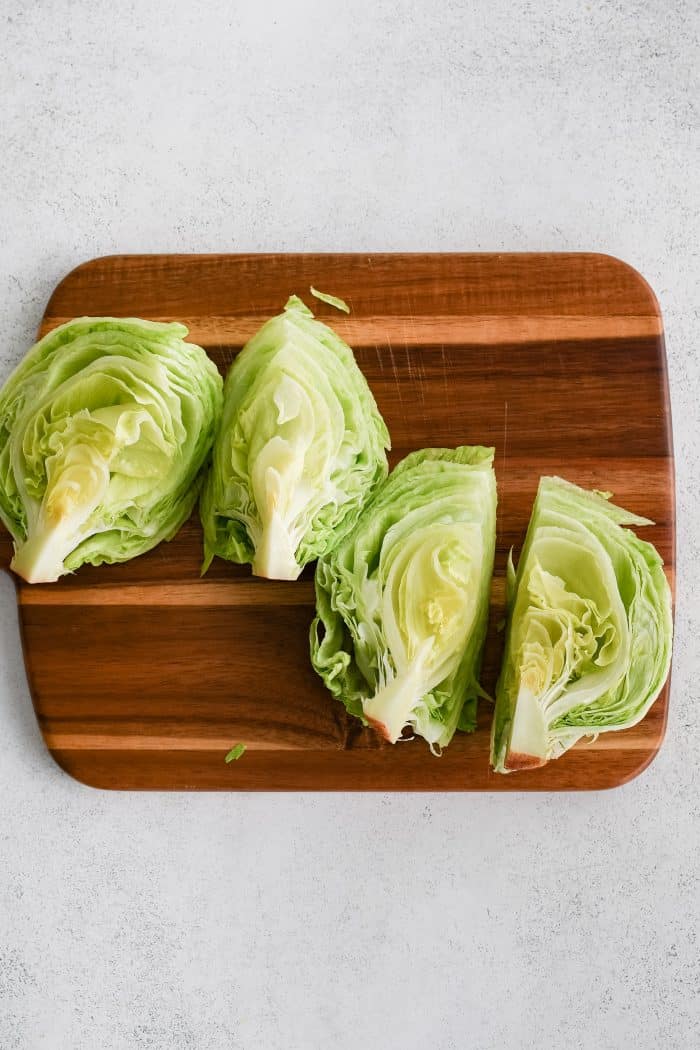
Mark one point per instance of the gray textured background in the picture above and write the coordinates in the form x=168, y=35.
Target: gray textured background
x=352, y=922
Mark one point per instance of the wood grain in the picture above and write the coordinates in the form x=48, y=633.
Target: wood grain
x=144, y=675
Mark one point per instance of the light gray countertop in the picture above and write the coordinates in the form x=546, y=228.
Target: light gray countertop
x=414, y=921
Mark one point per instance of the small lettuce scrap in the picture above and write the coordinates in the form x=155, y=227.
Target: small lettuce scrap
x=402, y=602
x=331, y=300
x=302, y=447
x=588, y=644
x=104, y=427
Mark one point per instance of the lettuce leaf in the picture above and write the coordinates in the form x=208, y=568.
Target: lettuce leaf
x=332, y=300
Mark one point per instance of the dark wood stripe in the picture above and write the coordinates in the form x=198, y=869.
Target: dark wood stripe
x=641, y=483
x=511, y=284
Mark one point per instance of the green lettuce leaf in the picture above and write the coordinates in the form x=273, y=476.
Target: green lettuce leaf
x=300, y=450
x=402, y=602
x=236, y=752
x=588, y=644
x=104, y=427
x=332, y=300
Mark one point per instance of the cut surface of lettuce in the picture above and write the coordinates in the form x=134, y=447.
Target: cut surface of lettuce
x=104, y=427
x=402, y=602
x=589, y=632
x=300, y=450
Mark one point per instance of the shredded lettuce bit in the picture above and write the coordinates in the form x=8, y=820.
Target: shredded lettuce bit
x=588, y=644
x=332, y=300
x=301, y=448
x=235, y=753
x=104, y=427
x=402, y=602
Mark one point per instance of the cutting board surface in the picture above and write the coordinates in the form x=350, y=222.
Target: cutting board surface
x=143, y=675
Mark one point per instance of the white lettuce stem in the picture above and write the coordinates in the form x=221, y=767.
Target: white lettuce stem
x=390, y=709
x=61, y=522
x=274, y=553
x=40, y=558
x=528, y=736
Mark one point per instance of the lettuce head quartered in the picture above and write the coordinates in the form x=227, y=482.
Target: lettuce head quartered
x=300, y=450
x=402, y=602
x=104, y=427
x=588, y=643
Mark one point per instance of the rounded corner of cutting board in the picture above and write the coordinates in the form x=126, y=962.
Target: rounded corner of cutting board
x=646, y=759
x=649, y=755
x=629, y=275
x=76, y=276
x=84, y=775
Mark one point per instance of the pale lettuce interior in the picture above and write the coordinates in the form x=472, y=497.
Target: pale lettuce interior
x=402, y=603
x=588, y=643
x=301, y=448
x=104, y=427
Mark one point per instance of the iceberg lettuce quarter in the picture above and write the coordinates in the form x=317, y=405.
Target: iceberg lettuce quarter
x=104, y=428
x=588, y=644
x=402, y=602
x=301, y=449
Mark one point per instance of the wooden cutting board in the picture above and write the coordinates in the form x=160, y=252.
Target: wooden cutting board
x=143, y=675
